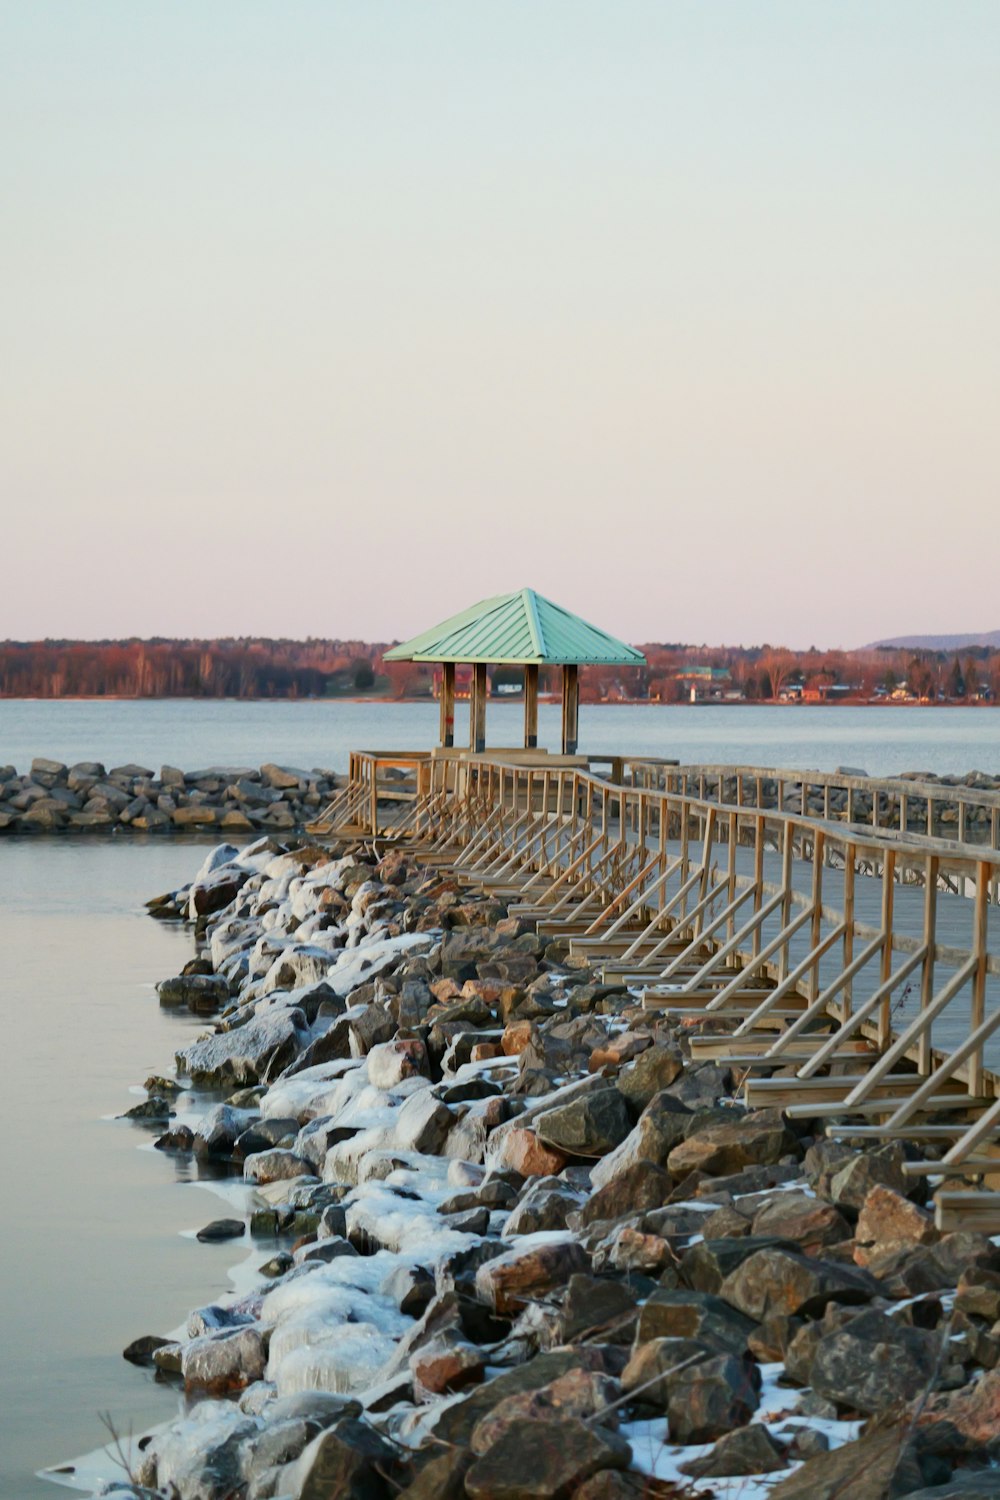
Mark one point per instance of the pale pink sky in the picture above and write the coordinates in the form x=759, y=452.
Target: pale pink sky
x=331, y=320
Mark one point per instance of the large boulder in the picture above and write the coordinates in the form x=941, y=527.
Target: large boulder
x=660, y=1127
x=874, y=1362
x=247, y=1054
x=350, y=1461
x=545, y=1460
x=537, y=1266
x=590, y=1125
x=777, y=1281
x=757, y=1139
x=889, y=1222
x=704, y=1395
x=220, y=1364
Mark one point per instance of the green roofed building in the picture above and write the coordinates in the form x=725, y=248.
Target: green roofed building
x=519, y=629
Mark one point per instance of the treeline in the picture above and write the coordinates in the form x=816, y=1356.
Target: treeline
x=258, y=667
x=233, y=668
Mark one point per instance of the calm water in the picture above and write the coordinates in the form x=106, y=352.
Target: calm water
x=191, y=733
x=91, y=1253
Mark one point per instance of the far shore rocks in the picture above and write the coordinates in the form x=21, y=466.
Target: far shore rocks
x=233, y=800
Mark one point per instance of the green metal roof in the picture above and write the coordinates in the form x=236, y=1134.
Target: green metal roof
x=521, y=628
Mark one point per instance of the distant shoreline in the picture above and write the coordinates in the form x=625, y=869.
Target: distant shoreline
x=379, y=700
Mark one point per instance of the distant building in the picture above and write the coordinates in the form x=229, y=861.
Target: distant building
x=705, y=684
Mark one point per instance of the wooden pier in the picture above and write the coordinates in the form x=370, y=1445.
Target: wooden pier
x=834, y=938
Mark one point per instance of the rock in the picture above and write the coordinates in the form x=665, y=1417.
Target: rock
x=874, y=1363
x=447, y=1364
x=521, y=1151
x=50, y=770
x=199, y=992
x=349, y=1461
x=634, y=1190
x=808, y=1221
x=274, y=1166
x=681, y=1314
x=544, y=1205
x=247, y=1054
x=220, y=1363
x=577, y=1393
x=531, y=1270
x=654, y=1069
x=167, y=1358
x=705, y=1265
x=457, y=1422
x=983, y=1484
x=871, y=1468
x=282, y=777
x=442, y=1478
x=222, y=1229
x=591, y=1305
x=704, y=1395
x=390, y=1062
x=464, y=949
x=589, y=1125
x=219, y=1130
x=141, y=1350
x=545, y=1460
x=971, y=1415
x=202, y=1457
x=783, y=1281
x=748, y=1450
x=153, y=1108
x=758, y=1139
x=660, y=1127
x=889, y=1222
x=882, y=1166
x=978, y=1294
x=422, y=1124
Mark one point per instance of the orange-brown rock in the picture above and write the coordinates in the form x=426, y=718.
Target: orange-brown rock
x=513, y=1280
x=447, y=1365
x=523, y=1152
x=517, y=1036
x=889, y=1222
x=484, y=1050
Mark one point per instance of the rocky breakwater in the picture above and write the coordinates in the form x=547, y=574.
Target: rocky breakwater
x=514, y=1245
x=54, y=798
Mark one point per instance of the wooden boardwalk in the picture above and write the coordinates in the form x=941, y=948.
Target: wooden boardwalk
x=818, y=932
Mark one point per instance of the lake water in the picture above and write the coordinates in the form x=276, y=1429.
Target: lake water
x=93, y=1251
x=192, y=733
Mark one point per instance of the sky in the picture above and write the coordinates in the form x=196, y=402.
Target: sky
x=331, y=319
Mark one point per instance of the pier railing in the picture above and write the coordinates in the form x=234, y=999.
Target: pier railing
x=848, y=972
x=910, y=804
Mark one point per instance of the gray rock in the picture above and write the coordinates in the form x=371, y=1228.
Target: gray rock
x=247, y=1054
x=221, y=1363
x=874, y=1363
x=590, y=1125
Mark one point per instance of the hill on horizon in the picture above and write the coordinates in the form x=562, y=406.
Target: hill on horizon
x=937, y=642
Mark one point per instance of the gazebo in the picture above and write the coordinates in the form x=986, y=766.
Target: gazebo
x=521, y=629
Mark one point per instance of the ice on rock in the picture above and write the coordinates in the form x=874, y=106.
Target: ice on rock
x=355, y=966
x=222, y=854
x=332, y=1331
x=343, y=1159
x=199, y=1456
x=306, y=1095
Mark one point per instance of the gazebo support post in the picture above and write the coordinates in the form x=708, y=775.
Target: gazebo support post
x=531, y=706
x=447, y=704
x=570, y=709
x=477, y=709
